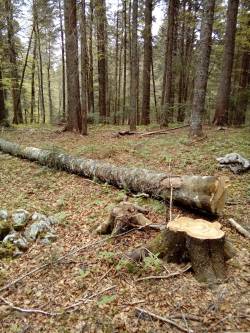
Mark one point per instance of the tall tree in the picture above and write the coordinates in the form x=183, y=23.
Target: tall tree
x=17, y=110
x=74, y=119
x=84, y=69
x=147, y=64
x=91, y=100
x=33, y=91
x=100, y=10
x=201, y=76
x=134, y=68
x=63, y=62
x=124, y=57
x=224, y=89
x=3, y=109
x=167, y=103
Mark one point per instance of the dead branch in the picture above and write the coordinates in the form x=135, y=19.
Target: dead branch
x=159, y=277
x=53, y=314
x=163, y=319
x=17, y=308
x=163, y=131
x=239, y=228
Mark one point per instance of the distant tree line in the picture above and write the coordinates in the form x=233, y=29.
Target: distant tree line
x=86, y=62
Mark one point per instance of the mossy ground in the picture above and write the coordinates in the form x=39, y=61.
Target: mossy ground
x=83, y=204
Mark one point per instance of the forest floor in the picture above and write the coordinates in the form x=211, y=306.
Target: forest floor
x=83, y=204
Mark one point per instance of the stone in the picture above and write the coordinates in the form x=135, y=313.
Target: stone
x=20, y=219
x=49, y=238
x=17, y=240
x=3, y=214
x=36, y=228
x=5, y=228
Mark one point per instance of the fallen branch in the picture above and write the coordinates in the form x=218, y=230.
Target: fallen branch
x=239, y=228
x=17, y=308
x=163, y=131
x=53, y=314
x=163, y=319
x=160, y=277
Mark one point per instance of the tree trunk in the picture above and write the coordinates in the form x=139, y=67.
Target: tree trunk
x=91, y=100
x=116, y=66
x=204, y=193
x=63, y=63
x=74, y=120
x=33, y=92
x=145, y=119
x=202, y=67
x=42, y=103
x=84, y=69
x=49, y=84
x=224, y=90
x=100, y=10
x=242, y=93
x=167, y=104
x=3, y=109
x=134, y=68
x=17, y=110
x=125, y=58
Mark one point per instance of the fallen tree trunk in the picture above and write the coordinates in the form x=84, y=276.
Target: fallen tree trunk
x=206, y=193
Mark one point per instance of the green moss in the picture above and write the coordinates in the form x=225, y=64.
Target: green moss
x=5, y=228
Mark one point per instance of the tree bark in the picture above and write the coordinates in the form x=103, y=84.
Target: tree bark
x=199, y=241
x=91, y=100
x=134, y=68
x=167, y=104
x=74, y=120
x=41, y=92
x=100, y=10
x=33, y=91
x=63, y=63
x=17, y=110
x=224, y=90
x=204, y=193
x=239, y=116
x=3, y=109
x=51, y=109
x=124, y=58
x=145, y=119
x=84, y=70
x=202, y=67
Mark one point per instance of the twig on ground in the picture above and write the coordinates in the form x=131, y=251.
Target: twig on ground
x=70, y=253
x=163, y=319
x=163, y=131
x=239, y=228
x=159, y=277
x=53, y=314
x=86, y=299
x=134, y=303
x=17, y=308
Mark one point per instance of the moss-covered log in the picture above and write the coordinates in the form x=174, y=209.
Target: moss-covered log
x=198, y=241
x=205, y=193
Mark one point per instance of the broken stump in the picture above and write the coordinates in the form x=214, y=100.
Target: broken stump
x=123, y=217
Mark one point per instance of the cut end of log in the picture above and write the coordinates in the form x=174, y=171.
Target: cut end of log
x=197, y=228
x=218, y=197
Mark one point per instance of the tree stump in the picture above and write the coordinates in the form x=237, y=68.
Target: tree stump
x=123, y=217
x=198, y=241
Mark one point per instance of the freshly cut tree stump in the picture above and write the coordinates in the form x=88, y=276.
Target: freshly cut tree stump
x=195, y=240
x=123, y=217
x=205, y=193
